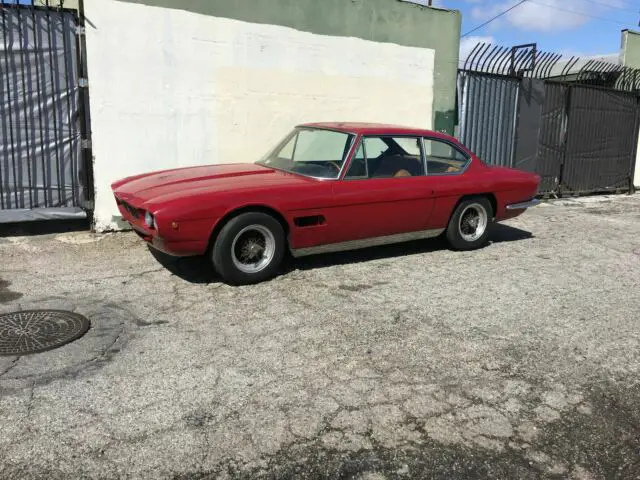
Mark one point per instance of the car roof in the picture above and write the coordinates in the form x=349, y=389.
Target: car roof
x=374, y=129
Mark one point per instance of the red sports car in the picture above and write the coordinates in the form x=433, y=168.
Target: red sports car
x=325, y=187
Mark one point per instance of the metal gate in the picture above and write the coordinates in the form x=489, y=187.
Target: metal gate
x=576, y=125
x=488, y=107
x=44, y=169
x=602, y=132
x=489, y=98
x=552, y=137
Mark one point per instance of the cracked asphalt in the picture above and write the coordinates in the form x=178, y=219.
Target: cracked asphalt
x=520, y=360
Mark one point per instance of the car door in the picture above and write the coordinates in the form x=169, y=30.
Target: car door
x=446, y=164
x=384, y=191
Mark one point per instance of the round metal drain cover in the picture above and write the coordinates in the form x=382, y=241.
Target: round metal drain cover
x=34, y=331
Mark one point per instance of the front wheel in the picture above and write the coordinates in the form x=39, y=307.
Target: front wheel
x=469, y=225
x=249, y=249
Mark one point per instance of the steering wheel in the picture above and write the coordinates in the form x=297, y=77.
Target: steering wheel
x=337, y=167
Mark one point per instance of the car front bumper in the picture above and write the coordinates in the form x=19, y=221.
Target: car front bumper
x=524, y=205
x=188, y=248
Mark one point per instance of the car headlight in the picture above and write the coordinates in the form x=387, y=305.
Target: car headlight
x=149, y=220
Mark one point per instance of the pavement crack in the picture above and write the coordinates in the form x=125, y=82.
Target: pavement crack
x=128, y=275
x=30, y=404
x=147, y=272
x=10, y=367
x=207, y=447
x=115, y=340
x=102, y=355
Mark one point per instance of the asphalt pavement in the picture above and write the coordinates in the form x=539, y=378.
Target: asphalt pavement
x=519, y=360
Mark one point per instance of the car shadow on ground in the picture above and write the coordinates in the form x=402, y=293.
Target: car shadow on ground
x=198, y=270
x=499, y=233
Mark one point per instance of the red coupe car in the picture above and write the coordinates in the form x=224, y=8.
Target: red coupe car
x=325, y=187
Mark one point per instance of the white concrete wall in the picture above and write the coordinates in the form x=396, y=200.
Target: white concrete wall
x=171, y=88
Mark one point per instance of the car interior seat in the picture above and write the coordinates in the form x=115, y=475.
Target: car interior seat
x=395, y=166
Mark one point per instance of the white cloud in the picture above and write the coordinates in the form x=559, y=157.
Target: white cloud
x=603, y=57
x=468, y=43
x=542, y=16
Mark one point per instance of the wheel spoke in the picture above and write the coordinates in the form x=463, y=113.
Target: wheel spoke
x=253, y=248
x=473, y=222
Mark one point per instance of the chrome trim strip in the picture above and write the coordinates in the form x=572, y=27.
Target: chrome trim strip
x=523, y=205
x=355, y=142
x=367, y=242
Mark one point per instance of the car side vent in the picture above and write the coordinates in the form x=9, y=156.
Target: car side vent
x=310, y=221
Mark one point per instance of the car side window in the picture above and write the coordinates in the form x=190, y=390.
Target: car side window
x=358, y=167
x=287, y=151
x=387, y=157
x=375, y=146
x=443, y=158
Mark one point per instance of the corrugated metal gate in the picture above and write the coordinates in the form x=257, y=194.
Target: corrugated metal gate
x=578, y=131
x=552, y=137
x=490, y=107
x=44, y=170
x=490, y=101
x=601, y=140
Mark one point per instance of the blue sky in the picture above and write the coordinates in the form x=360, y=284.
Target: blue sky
x=582, y=27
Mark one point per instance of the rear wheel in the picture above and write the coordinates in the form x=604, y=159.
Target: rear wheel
x=249, y=249
x=469, y=225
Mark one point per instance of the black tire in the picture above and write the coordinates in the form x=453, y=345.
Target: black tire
x=455, y=236
x=223, y=248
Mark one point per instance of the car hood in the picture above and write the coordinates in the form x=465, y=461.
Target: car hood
x=166, y=185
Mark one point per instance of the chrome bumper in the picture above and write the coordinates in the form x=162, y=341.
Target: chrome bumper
x=521, y=206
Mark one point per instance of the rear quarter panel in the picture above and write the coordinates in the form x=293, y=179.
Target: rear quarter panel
x=513, y=186
x=507, y=186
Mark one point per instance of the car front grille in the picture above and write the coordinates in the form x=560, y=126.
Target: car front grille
x=131, y=209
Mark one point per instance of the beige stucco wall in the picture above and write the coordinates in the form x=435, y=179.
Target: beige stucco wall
x=630, y=52
x=176, y=88
x=630, y=57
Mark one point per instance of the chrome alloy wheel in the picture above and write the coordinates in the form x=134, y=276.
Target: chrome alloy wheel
x=473, y=222
x=253, y=249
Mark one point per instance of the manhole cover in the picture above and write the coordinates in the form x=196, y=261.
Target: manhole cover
x=34, y=331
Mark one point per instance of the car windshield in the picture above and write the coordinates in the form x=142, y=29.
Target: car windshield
x=311, y=152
